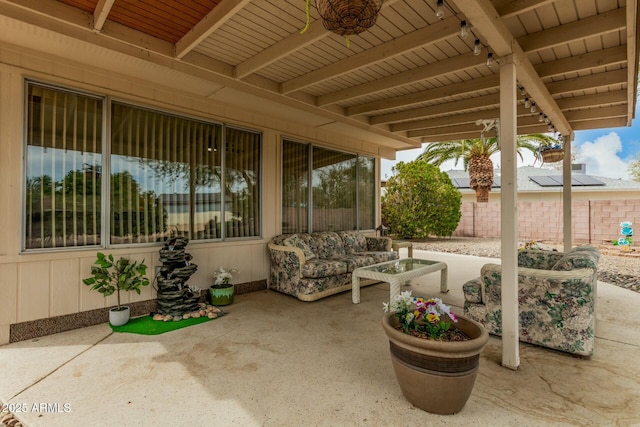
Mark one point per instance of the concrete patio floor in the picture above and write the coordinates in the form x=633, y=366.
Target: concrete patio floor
x=277, y=361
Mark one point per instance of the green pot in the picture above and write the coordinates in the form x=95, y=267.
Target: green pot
x=221, y=294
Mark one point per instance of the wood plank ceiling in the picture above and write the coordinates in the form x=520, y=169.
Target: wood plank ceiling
x=411, y=78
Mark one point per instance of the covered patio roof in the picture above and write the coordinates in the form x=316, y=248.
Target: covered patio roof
x=410, y=79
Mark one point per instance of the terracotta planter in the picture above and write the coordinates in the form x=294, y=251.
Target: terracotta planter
x=436, y=376
x=221, y=294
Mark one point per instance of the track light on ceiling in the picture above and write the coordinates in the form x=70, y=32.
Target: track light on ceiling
x=464, y=31
x=527, y=103
x=546, y=119
x=540, y=117
x=533, y=107
x=440, y=9
x=490, y=60
x=523, y=91
x=477, y=49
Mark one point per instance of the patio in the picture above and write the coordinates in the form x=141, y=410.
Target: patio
x=274, y=360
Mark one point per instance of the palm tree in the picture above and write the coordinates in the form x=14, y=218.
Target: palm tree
x=476, y=153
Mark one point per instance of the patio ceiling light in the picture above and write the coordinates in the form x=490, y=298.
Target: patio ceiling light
x=477, y=48
x=464, y=31
x=440, y=9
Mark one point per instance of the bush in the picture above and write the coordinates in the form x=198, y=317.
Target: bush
x=420, y=201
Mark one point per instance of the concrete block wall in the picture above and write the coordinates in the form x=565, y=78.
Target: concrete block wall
x=593, y=221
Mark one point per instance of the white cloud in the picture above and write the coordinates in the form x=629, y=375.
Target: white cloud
x=601, y=157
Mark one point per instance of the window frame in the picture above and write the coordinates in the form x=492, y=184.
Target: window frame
x=105, y=152
x=310, y=147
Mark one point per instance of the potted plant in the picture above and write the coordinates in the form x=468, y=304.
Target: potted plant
x=551, y=150
x=222, y=291
x=109, y=276
x=435, y=362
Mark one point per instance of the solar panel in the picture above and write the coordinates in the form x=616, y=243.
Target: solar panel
x=585, y=180
x=556, y=181
x=545, y=181
x=461, y=182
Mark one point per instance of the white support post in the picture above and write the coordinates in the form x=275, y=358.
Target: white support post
x=509, y=214
x=566, y=195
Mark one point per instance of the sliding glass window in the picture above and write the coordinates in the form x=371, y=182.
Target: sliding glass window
x=63, y=169
x=342, y=192
x=164, y=179
x=166, y=175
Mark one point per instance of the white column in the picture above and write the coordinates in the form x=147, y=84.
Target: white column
x=509, y=214
x=566, y=195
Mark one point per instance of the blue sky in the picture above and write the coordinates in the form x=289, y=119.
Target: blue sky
x=606, y=152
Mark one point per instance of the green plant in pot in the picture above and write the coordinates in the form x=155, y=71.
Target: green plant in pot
x=222, y=291
x=435, y=354
x=109, y=276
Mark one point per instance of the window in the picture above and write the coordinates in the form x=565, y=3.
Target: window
x=342, y=192
x=63, y=169
x=165, y=176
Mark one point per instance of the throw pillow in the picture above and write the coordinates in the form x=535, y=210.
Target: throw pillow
x=577, y=259
x=296, y=242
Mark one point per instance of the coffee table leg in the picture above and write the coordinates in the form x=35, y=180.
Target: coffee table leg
x=394, y=289
x=443, y=280
x=355, y=289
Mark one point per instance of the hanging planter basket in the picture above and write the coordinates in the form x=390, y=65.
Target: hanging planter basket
x=348, y=17
x=552, y=155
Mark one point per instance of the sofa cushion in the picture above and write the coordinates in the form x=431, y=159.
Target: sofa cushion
x=354, y=261
x=329, y=244
x=318, y=268
x=472, y=291
x=297, y=242
x=354, y=242
x=577, y=258
x=379, y=257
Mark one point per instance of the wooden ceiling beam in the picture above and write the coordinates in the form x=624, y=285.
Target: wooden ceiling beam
x=462, y=88
x=220, y=14
x=490, y=82
x=487, y=21
x=439, y=68
x=602, y=23
x=587, y=61
x=594, y=81
x=509, y=8
x=430, y=34
x=287, y=46
x=463, y=122
x=600, y=124
x=597, y=113
x=407, y=120
x=433, y=110
x=591, y=101
x=101, y=13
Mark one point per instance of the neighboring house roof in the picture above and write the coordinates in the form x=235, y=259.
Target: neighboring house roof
x=531, y=179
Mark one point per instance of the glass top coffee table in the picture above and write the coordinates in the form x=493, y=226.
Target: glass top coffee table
x=395, y=273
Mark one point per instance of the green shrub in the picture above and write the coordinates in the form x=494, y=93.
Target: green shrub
x=420, y=201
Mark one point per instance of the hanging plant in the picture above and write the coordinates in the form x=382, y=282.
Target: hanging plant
x=346, y=17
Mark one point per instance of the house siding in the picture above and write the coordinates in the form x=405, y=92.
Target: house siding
x=41, y=285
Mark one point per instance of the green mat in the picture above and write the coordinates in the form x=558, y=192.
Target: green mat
x=145, y=325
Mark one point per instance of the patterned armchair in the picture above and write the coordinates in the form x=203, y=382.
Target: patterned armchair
x=556, y=297
x=313, y=266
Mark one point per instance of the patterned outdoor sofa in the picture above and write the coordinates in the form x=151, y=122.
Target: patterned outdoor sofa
x=556, y=297
x=313, y=266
